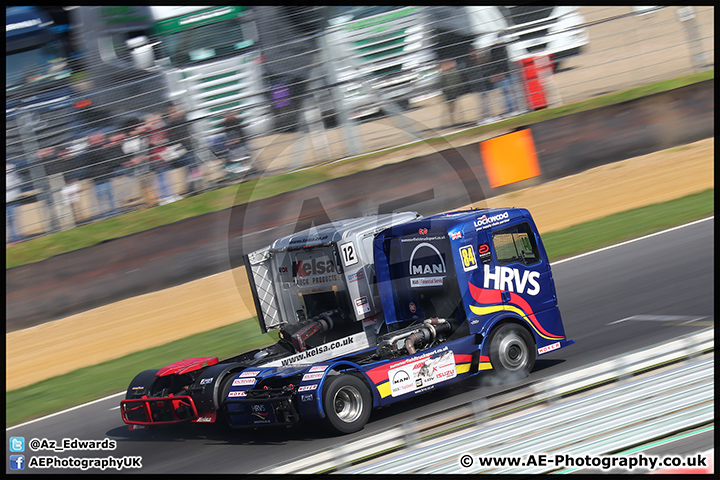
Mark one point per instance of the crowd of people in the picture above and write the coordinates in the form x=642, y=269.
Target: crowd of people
x=468, y=69
x=131, y=167
x=142, y=152
x=126, y=168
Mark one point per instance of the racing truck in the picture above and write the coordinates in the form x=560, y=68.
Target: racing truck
x=370, y=311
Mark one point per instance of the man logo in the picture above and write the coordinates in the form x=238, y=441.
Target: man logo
x=401, y=376
x=429, y=261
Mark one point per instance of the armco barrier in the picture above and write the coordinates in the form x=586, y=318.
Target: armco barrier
x=622, y=413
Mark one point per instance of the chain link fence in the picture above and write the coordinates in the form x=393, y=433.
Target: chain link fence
x=167, y=102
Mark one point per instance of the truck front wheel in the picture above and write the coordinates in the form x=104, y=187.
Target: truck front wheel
x=512, y=352
x=347, y=403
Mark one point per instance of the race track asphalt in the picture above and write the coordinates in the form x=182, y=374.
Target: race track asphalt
x=669, y=274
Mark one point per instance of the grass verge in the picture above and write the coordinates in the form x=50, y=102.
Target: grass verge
x=113, y=376
x=86, y=236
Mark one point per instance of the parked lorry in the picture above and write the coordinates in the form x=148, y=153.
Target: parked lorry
x=370, y=311
x=39, y=106
x=354, y=61
x=382, y=55
x=204, y=59
x=558, y=32
x=528, y=31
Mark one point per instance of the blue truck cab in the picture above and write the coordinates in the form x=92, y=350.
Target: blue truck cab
x=485, y=271
x=371, y=312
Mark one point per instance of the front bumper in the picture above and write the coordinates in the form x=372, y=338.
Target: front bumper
x=158, y=410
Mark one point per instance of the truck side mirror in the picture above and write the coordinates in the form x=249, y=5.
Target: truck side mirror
x=141, y=52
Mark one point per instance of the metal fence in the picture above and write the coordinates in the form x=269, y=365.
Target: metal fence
x=396, y=76
x=599, y=409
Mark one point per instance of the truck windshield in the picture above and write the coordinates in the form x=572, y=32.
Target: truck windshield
x=35, y=64
x=519, y=15
x=207, y=42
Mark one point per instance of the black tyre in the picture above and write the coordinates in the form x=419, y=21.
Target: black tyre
x=512, y=352
x=347, y=403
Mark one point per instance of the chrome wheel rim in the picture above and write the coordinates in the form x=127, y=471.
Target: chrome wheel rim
x=348, y=403
x=513, y=352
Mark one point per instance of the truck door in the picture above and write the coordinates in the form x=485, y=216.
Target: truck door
x=521, y=268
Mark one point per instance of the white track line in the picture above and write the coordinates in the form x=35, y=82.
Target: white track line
x=66, y=411
x=633, y=240
x=554, y=263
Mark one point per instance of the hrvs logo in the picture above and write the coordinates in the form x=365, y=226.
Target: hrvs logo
x=427, y=267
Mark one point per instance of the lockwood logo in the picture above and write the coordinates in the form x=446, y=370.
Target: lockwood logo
x=486, y=221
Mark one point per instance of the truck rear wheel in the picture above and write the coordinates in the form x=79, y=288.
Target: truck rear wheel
x=512, y=352
x=347, y=403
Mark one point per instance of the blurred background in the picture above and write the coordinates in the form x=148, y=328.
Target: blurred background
x=118, y=108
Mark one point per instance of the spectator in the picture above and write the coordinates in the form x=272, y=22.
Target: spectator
x=135, y=147
x=138, y=145
x=452, y=51
x=101, y=168
x=159, y=158
x=451, y=83
x=501, y=75
x=12, y=196
x=113, y=163
x=479, y=80
x=55, y=163
x=180, y=140
x=70, y=191
x=235, y=137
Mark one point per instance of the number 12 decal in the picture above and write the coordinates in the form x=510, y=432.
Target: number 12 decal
x=349, y=257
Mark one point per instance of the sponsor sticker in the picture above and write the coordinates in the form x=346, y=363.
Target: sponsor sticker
x=243, y=381
x=318, y=368
x=412, y=307
x=549, y=348
x=426, y=282
x=236, y=394
x=491, y=221
x=427, y=267
x=314, y=271
x=485, y=253
x=362, y=306
x=508, y=278
x=251, y=373
x=455, y=235
x=324, y=352
x=312, y=376
x=356, y=276
x=421, y=372
x=307, y=388
x=467, y=254
x=205, y=381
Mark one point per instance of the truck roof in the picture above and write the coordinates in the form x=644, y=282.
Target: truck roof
x=340, y=229
x=475, y=219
